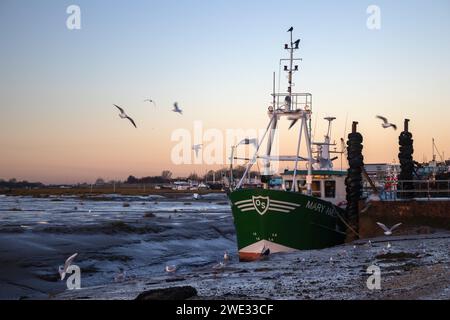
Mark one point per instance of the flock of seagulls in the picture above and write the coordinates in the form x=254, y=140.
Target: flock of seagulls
x=226, y=258
x=265, y=252
x=171, y=269
x=123, y=114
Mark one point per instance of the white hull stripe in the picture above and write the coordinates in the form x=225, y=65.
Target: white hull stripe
x=243, y=201
x=273, y=205
x=279, y=210
x=286, y=203
x=243, y=206
x=270, y=209
x=271, y=201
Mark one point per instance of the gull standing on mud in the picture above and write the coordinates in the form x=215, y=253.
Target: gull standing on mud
x=123, y=115
x=171, y=269
x=388, y=231
x=176, y=108
x=120, y=276
x=219, y=266
x=386, y=124
x=265, y=252
x=62, y=270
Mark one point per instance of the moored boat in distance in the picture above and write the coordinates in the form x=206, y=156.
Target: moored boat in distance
x=304, y=211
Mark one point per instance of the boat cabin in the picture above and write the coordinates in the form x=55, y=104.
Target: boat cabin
x=328, y=185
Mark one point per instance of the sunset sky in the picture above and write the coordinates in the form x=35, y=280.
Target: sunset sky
x=215, y=58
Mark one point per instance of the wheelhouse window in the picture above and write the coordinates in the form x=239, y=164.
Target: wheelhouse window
x=315, y=187
x=287, y=184
x=301, y=185
x=330, y=189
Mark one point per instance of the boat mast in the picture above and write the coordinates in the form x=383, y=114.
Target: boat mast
x=291, y=60
x=296, y=106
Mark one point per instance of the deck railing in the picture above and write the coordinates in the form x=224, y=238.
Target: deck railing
x=418, y=189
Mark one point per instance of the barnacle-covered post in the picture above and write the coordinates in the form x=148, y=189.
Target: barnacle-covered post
x=405, y=156
x=353, y=181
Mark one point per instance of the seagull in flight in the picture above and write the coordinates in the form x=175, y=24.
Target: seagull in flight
x=388, y=231
x=292, y=123
x=176, y=108
x=150, y=101
x=62, y=270
x=386, y=124
x=252, y=141
x=196, y=148
x=123, y=115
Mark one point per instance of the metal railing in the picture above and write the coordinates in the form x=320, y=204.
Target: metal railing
x=403, y=189
x=300, y=101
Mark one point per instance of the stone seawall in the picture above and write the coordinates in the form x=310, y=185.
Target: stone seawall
x=416, y=216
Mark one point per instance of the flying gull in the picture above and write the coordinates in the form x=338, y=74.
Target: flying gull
x=388, y=231
x=252, y=141
x=196, y=148
x=293, y=122
x=386, y=124
x=176, y=108
x=62, y=270
x=150, y=101
x=123, y=115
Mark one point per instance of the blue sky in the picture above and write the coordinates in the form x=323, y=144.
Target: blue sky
x=216, y=58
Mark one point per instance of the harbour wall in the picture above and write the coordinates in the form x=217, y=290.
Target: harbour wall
x=416, y=216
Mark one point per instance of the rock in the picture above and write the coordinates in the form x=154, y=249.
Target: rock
x=397, y=256
x=175, y=293
x=149, y=215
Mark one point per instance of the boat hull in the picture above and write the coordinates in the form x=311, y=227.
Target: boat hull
x=283, y=221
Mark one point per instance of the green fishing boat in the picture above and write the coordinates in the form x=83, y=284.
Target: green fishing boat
x=305, y=210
